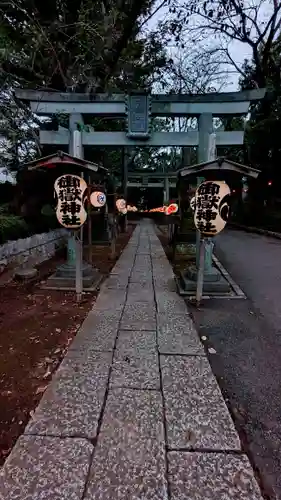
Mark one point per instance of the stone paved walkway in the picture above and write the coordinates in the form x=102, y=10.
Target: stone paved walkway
x=133, y=412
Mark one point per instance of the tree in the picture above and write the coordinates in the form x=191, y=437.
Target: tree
x=80, y=45
x=264, y=129
x=71, y=45
x=221, y=22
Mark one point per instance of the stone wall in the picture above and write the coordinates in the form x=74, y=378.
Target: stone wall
x=33, y=250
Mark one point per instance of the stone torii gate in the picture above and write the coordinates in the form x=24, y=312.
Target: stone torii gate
x=138, y=108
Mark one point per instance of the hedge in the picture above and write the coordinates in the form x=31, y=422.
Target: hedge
x=12, y=227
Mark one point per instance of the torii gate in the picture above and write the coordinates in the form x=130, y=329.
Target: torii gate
x=138, y=108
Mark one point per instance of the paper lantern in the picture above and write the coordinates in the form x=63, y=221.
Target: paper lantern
x=171, y=209
x=211, y=207
x=121, y=204
x=98, y=199
x=70, y=210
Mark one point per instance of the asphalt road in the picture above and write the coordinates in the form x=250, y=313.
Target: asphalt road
x=246, y=335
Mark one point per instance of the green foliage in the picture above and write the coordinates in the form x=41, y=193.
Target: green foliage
x=76, y=45
x=79, y=45
x=263, y=131
x=12, y=227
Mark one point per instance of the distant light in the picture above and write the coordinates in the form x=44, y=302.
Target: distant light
x=269, y=183
x=233, y=190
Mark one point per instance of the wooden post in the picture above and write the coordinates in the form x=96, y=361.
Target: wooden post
x=125, y=180
x=78, y=275
x=200, y=273
x=89, y=221
x=205, y=128
x=78, y=152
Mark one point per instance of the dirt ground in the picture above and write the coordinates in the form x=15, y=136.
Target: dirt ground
x=36, y=328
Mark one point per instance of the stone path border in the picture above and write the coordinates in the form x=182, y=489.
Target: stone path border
x=134, y=411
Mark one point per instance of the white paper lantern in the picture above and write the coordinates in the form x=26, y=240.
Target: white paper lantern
x=121, y=205
x=70, y=210
x=192, y=204
x=211, y=207
x=98, y=199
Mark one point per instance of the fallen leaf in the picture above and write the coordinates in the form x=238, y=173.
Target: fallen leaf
x=6, y=393
x=212, y=350
x=41, y=389
x=58, y=330
x=48, y=372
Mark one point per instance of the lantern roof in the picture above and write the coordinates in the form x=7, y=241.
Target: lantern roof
x=62, y=158
x=219, y=164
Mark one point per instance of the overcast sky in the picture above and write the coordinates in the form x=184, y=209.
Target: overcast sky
x=238, y=51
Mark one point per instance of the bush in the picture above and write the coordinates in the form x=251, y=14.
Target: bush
x=12, y=227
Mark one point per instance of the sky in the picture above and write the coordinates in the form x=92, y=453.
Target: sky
x=238, y=51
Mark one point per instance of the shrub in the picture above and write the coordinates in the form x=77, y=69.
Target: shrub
x=12, y=227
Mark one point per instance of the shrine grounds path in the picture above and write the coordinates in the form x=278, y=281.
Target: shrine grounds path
x=134, y=411
x=247, y=337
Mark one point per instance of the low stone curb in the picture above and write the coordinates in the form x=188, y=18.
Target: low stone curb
x=256, y=230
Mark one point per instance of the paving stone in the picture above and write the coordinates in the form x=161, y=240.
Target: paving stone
x=116, y=282
x=142, y=269
x=72, y=403
x=98, y=332
x=142, y=259
x=136, y=287
x=139, y=277
x=139, y=316
x=170, y=302
x=177, y=334
x=164, y=284
x=46, y=468
x=110, y=299
x=129, y=461
x=141, y=295
x=196, y=414
x=160, y=269
x=209, y=476
x=176, y=322
x=134, y=343
x=141, y=372
x=136, y=361
x=129, y=252
x=126, y=261
x=160, y=260
x=180, y=344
